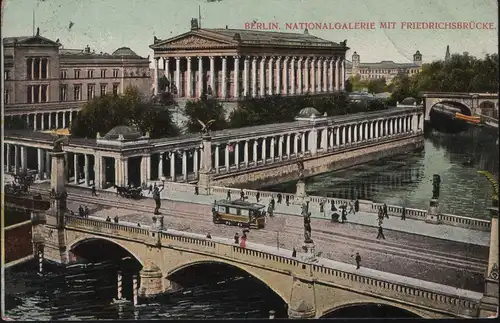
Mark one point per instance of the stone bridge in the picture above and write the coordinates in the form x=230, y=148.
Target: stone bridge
x=309, y=288
x=479, y=104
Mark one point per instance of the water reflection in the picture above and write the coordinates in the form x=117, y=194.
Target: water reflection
x=407, y=179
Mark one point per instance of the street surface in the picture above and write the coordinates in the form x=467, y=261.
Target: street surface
x=452, y=263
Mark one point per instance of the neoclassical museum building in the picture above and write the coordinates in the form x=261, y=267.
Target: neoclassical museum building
x=230, y=64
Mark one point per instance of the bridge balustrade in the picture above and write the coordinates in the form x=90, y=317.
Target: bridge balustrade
x=452, y=301
x=462, y=221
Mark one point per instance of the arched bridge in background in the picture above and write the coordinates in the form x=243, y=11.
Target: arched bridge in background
x=484, y=105
x=310, y=289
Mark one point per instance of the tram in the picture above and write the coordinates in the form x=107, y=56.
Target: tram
x=239, y=212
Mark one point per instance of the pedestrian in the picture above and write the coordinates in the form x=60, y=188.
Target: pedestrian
x=243, y=240
x=403, y=214
x=273, y=203
x=351, y=207
x=86, y=212
x=94, y=192
x=196, y=190
x=257, y=196
x=108, y=219
x=242, y=194
x=270, y=209
x=321, y=206
x=280, y=197
x=138, y=225
x=236, y=238
x=209, y=236
x=332, y=206
x=228, y=195
x=358, y=260
x=81, y=211
x=71, y=212
x=356, y=206
x=294, y=252
x=380, y=232
x=116, y=219
x=344, y=214
x=287, y=200
x=385, y=211
x=150, y=188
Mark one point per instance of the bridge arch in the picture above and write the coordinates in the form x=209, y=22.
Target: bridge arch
x=269, y=281
x=354, y=304
x=465, y=108
x=83, y=240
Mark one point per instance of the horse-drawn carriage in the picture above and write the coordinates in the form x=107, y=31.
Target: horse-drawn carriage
x=129, y=192
x=21, y=184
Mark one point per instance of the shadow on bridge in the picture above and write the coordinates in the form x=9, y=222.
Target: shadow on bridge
x=369, y=310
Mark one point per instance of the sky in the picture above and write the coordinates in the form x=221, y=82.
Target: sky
x=106, y=25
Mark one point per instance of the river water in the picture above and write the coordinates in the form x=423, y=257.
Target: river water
x=407, y=179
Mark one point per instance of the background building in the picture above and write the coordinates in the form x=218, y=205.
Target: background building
x=47, y=84
x=383, y=69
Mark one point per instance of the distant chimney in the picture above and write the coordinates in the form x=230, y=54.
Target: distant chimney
x=306, y=32
x=87, y=49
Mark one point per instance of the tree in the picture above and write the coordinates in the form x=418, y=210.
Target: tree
x=103, y=113
x=163, y=84
x=205, y=109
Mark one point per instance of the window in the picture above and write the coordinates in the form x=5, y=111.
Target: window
x=44, y=68
x=37, y=93
x=90, y=74
x=115, y=73
x=103, y=73
x=103, y=89
x=90, y=91
x=44, y=93
x=64, y=74
x=6, y=75
x=77, y=74
x=63, y=92
x=6, y=96
x=29, y=71
x=115, y=89
x=77, y=92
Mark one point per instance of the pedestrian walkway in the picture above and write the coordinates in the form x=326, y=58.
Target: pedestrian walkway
x=440, y=231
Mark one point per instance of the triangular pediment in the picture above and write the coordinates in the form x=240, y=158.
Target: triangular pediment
x=38, y=40
x=192, y=40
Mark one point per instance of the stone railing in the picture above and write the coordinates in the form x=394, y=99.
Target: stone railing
x=364, y=205
x=412, y=291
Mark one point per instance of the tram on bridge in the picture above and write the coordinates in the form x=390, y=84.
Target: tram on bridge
x=239, y=212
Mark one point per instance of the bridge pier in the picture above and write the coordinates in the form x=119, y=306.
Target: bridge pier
x=151, y=281
x=302, y=299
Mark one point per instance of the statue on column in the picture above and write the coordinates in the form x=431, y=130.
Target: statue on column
x=156, y=198
x=307, y=224
x=436, y=181
x=300, y=166
x=58, y=143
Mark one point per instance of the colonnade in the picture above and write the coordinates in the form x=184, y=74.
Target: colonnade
x=256, y=76
x=183, y=165
x=46, y=120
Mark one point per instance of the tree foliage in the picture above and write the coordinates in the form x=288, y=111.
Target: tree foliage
x=371, y=85
x=205, y=109
x=103, y=113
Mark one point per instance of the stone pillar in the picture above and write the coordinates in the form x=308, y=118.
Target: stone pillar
x=151, y=280
x=285, y=75
x=40, y=162
x=319, y=74
x=262, y=76
x=303, y=141
x=200, y=76
x=47, y=164
x=7, y=160
x=160, y=166
x=278, y=75
x=313, y=75
x=212, y=75
x=246, y=153
x=489, y=303
x=270, y=83
x=204, y=178
x=86, y=170
x=264, y=148
x=70, y=118
x=195, y=162
x=324, y=139
x=342, y=80
x=217, y=152
x=255, y=144
x=157, y=59
x=271, y=150
x=42, y=121
x=34, y=122
x=237, y=155
x=236, y=81
x=76, y=168
x=226, y=158
x=355, y=135
x=337, y=136
x=306, y=75
x=288, y=139
x=313, y=141
x=344, y=130
x=24, y=157
x=254, y=77
x=178, y=75
x=172, y=167
x=184, y=165
x=57, y=120
x=280, y=147
x=224, y=77
x=325, y=78
x=245, y=76
x=166, y=67
x=50, y=120
x=296, y=144
x=331, y=81
x=376, y=129
x=118, y=173
x=63, y=120
x=189, y=89
x=292, y=76
x=337, y=77
x=146, y=166
x=302, y=300
x=299, y=75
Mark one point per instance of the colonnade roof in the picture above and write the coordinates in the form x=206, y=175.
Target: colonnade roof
x=226, y=135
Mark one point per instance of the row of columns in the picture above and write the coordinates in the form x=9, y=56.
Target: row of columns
x=272, y=148
x=46, y=120
x=284, y=75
